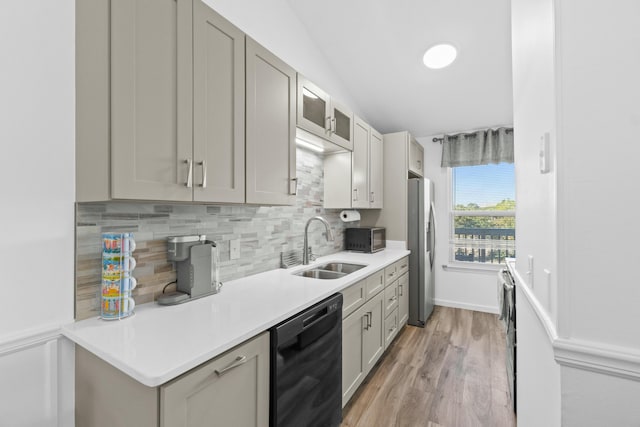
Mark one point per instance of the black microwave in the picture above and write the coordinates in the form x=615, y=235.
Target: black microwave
x=365, y=239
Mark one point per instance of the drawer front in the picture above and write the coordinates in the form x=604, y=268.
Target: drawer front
x=353, y=297
x=403, y=266
x=375, y=283
x=390, y=298
x=390, y=327
x=391, y=273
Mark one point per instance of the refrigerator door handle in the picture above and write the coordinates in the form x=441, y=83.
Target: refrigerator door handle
x=432, y=221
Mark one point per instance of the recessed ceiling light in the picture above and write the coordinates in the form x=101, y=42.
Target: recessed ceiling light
x=439, y=56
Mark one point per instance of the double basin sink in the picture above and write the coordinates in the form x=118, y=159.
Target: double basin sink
x=331, y=270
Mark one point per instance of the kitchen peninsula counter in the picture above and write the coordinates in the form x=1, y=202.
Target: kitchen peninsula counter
x=159, y=343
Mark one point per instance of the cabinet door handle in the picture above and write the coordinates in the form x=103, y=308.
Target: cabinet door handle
x=370, y=317
x=419, y=164
x=372, y=198
x=355, y=194
x=366, y=322
x=400, y=288
x=295, y=187
x=189, y=182
x=204, y=174
x=327, y=126
x=237, y=362
x=333, y=125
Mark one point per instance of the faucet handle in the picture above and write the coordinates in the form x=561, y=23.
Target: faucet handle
x=312, y=257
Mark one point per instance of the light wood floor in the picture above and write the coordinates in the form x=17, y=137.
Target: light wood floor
x=449, y=374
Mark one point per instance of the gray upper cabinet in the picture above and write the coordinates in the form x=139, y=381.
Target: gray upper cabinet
x=150, y=99
x=416, y=155
x=323, y=116
x=219, y=108
x=365, y=173
x=360, y=159
x=173, y=104
x=270, y=127
x=376, y=173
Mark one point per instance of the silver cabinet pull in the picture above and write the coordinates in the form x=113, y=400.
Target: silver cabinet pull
x=366, y=323
x=333, y=125
x=370, y=318
x=355, y=194
x=295, y=187
x=204, y=174
x=189, y=182
x=419, y=164
x=400, y=288
x=237, y=362
x=372, y=198
x=327, y=126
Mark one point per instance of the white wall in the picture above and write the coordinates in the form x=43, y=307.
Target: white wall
x=600, y=145
x=534, y=115
x=468, y=289
x=274, y=25
x=37, y=217
x=575, y=76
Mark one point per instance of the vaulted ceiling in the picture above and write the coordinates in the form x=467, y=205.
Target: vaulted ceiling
x=376, y=48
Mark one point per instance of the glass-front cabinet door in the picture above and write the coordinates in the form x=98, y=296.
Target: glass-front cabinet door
x=313, y=108
x=323, y=116
x=341, y=125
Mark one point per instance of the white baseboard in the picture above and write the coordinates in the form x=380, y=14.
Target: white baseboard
x=466, y=306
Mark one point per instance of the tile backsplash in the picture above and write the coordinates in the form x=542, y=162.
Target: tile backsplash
x=261, y=230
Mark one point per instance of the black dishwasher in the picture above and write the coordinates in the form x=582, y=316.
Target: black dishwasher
x=306, y=367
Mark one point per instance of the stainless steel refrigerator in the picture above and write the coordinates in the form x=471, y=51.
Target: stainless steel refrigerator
x=421, y=243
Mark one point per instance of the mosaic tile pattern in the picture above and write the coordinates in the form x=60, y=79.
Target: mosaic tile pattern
x=263, y=232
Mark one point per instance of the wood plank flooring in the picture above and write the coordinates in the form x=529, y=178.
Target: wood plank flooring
x=449, y=374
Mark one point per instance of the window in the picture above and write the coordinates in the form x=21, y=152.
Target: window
x=483, y=214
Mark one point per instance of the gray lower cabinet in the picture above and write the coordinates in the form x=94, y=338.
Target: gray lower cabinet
x=403, y=299
x=353, y=361
x=230, y=390
x=362, y=344
x=271, y=128
x=372, y=317
x=373, y=335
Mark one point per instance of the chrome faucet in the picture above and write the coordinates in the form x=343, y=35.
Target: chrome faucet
x=305, y=248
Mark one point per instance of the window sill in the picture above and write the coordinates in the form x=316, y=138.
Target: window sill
x=466, y=268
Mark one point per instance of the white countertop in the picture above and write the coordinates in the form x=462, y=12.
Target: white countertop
x=159, y=343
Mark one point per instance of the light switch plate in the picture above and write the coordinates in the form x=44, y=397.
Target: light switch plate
x=544, y=153
x=234, y=249
x=530, y=271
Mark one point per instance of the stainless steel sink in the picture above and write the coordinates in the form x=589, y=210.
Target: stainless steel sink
x=321, y=274
x=341, y=267
x=332, y=270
